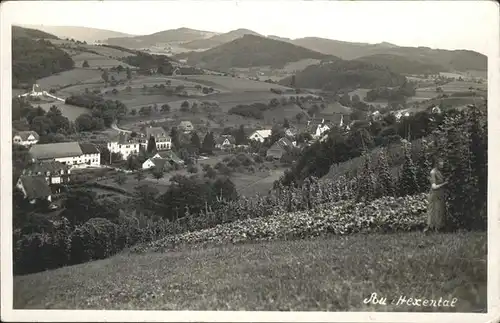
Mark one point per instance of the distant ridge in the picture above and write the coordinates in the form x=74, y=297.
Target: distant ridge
x=251, y=50
x=166, y=36
x=79, y=33
x=219, y=39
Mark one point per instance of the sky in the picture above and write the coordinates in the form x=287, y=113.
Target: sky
x=436, y=24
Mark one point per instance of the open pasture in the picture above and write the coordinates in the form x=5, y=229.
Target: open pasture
x=97, y=61
x=233, y=84
x=279, y=113
x=293, y=67
x=229, y=100
x=70, y=111
x=71, y=77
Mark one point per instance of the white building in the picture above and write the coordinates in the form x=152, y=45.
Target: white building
x=25, y=138
x=260, y=135
x=72, y=154
x=320, y=130
x=126, y=145
x=162, y=139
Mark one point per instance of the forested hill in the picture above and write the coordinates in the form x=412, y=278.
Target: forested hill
x=342, y=74
x=33, y=59
x=18, y=32
x=249, y=51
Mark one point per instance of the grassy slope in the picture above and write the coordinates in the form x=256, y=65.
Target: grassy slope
x=18, y=32
x=333, y=274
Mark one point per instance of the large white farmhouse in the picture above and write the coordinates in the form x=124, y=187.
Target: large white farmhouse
x=73, y=154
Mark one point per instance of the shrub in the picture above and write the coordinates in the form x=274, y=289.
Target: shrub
x=95, y=239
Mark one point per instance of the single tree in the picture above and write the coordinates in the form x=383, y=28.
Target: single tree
x=208, y=143
x=286, y=124
x=151, y=147
x=105, y=76
x=85, y=64
x=195, y=141
x=157, y=173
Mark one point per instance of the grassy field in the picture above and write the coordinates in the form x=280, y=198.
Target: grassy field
x=70, y=111
x=96, y=61
x=292, y=67
x=233, y=84
x=74, y=76
x=323, y=274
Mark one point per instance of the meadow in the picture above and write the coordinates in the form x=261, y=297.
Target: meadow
x=233, y=84
x=321, y=274
x=74, y=76
x=97, y=61
x=70, y=111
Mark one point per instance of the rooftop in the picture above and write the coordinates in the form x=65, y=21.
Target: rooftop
x=156, y=132
x=35, y=186
x=88, y=148
x=25, y=134
x=52, y=167
x=56, y=150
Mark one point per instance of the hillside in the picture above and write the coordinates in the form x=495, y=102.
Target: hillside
x=218, y=39
x=342, y=74
x=248, y=51
x=460, y=60
x=19, y=32
x=166, y=36
x=32, y=59
x=80, y=33
x=401, y=64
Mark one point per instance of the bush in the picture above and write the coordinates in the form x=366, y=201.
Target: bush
x=95, y=239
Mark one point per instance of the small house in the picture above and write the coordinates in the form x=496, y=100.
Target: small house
x=260, y=135
x=34, y=188
x=320, y=129
x=225, y=142
x=25, y=138
x=158, y=163
x=279, y=148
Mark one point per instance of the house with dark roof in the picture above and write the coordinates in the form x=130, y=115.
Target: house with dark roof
x=225, y=142
x=25, y=138
x=279, y=148
x=162, y=139
x=91, y=155
x=54, y=172
x=163, y=159
x=73, y=154
x=34, y=188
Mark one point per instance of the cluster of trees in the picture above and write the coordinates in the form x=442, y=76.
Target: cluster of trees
x=341, y=74
x=93, y=228
x=317, y=159
x=254, y=110
x=146, y=62
x=103, y=112
x=461, y=141
x=51, y=125
x=398, y=94
x=34, y=59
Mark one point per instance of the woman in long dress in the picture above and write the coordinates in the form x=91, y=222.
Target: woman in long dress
x=436, y=209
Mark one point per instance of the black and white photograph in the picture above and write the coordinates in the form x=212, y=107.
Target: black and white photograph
x=249, y=157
